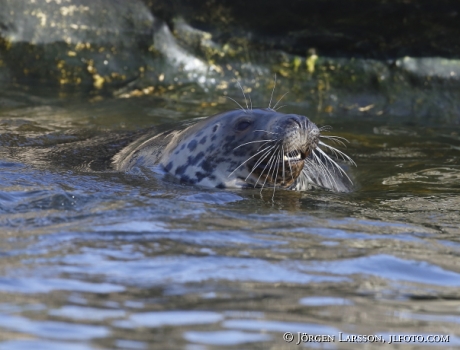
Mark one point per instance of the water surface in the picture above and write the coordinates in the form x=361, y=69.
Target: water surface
x=92, y=260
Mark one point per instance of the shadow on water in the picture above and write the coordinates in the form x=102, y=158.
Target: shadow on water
x=102, y=259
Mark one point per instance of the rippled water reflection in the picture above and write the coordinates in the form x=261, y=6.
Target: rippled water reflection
x=106, y=260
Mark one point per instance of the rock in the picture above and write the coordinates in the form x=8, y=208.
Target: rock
x=75, y=42
x=378, y=29
x=359, y=57
x=431, y=67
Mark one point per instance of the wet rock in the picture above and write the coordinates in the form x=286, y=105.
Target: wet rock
x=362, y=58
x=361, y=28
x=74, y=42
x=431, y=67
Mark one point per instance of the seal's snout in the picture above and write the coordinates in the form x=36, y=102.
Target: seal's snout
x=300, y=135
x=295, y=122
x=291, y=121
x=313, y=130
x=313, y=134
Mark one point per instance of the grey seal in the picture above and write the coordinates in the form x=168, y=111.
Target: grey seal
x=243, y=148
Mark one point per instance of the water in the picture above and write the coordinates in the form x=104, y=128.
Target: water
x=93, y=260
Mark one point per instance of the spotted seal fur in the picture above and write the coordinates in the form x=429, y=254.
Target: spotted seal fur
x=243, y=148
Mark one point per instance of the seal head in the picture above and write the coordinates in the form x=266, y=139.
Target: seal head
x=238, y=149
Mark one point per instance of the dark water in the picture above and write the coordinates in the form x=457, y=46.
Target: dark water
x=101, y=260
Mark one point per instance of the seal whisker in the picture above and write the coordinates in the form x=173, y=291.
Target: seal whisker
x=244, y=95
x=284, y=172
x=290, y=169
x=340, y=142
x=325, y=171
x=275, y=161
x=266, y=143
x=338, y=153
x=323, y=163
x=247, y=161
x=247, y=143
x=301, y=180
x=236, y=103
x=323, y=144
x=274, y=107
x=276, y=176
x=271, y=162
x=280, y=107
x=271, y=97
x=334, y=163
x=255, y=185
x=265, y=167
x=268, y=132
x=329, y=180
x=267, y=153
x=325, y=128
x=270, y=167
x=261, y=159
x=334, y=137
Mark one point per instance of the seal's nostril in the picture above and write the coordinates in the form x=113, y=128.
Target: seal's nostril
x=296, y=121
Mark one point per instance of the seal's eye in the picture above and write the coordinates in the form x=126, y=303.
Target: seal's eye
x=243, y=125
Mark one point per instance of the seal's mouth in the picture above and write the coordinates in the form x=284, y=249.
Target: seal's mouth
x=281, y=169
x=290, y=158
x=294, y=156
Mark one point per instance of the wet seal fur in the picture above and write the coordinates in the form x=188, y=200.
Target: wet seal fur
x=243, y=148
